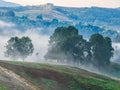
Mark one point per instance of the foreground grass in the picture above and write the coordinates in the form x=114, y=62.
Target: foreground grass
x=60, y=77
x=3, y=88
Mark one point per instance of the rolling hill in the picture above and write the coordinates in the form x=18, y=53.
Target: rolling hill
x=48, y=17
x=8, y=4
x=36, y=76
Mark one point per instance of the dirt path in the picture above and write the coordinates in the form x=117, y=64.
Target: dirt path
x=11, y=77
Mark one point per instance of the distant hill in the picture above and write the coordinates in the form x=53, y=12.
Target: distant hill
x=47, y=17
x=8, y=4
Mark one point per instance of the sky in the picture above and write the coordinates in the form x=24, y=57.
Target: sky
x=71, y=3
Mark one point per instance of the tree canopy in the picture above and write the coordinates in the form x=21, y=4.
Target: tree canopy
x=10, y=13
x=60, y=35
x=67, y=45
x=40, y=17
x=101, y=48
x=19, y=47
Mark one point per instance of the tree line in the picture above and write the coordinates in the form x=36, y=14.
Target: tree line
x=67, y=45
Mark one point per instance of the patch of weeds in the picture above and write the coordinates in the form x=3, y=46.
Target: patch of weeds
x=49, y=84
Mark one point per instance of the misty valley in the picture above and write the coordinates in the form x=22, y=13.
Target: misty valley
x=49, y=47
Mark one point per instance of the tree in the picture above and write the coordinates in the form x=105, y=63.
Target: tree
x=39, y=17
x=67, y=44
x=101, y=49
x=10, y=13
x=19, y=48
x=56, y=40
x=24, y=17
x=55, y=21
x=75, y=49
x=62, y=33
x=109, y=49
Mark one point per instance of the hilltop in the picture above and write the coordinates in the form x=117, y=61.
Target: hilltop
x=52, y=77
x=8, y=4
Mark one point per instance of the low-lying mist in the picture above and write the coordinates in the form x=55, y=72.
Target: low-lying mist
x=40, y=41
x=116, y=57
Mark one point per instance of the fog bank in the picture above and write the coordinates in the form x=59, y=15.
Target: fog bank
x=116, y=56
x=40, y=41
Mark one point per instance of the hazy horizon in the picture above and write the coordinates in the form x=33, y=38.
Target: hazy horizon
x=71, y=3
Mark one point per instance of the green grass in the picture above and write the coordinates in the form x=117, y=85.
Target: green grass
x=98, y=84
x=29, y=64
x=49, y=84
x=76, y=81
x=3, y=88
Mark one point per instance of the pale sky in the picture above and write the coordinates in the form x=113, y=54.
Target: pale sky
x=71, y=3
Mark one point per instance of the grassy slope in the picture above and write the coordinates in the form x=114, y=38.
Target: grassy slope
x=114, y=70
x=59, y=77
x=3, y=88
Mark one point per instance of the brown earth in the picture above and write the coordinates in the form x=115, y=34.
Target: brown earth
x=35, y=76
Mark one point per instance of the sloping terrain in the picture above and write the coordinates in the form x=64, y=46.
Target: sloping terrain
x=11, y=81
x=48, y=17
x=57, y=77
x=8, y=4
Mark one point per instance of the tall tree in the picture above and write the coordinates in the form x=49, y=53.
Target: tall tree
x=101, y=49
x=109, y=49
x=66, y=43
x=76, y=49
x=57, y=39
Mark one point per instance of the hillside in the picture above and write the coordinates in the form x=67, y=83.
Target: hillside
x=52, y=77
x=47, y=17
x=8, y=4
